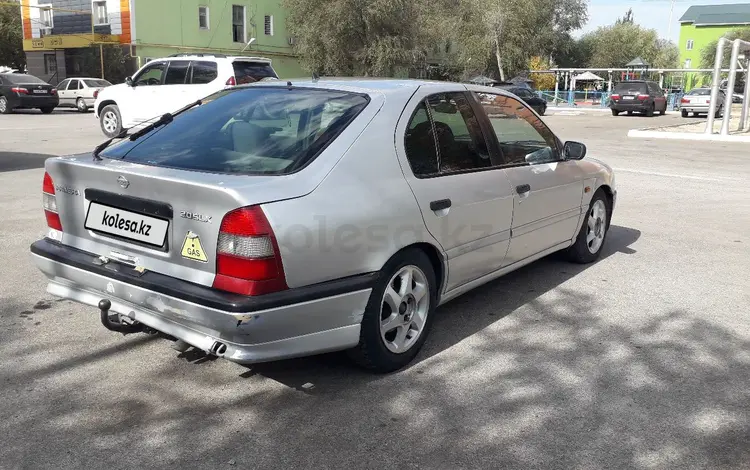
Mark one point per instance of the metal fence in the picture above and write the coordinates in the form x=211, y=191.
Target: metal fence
x=594, y=99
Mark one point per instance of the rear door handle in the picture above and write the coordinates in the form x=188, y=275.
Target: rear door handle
x=440, y=204
x=523, y=188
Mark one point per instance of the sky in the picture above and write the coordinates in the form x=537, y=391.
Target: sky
x=653, y=14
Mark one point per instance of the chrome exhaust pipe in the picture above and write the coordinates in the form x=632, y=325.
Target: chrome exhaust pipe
x=218, y=349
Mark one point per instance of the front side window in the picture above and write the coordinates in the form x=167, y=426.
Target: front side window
x=523, y=137
x=177, y=72
x=203, y=17
x=151, y=75
x=100, y=12
x=238, y=23
x=63, y=85
x=259, y=131
x=204, y=72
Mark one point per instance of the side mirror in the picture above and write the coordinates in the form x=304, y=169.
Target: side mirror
x=129, y=81
x=574, y=150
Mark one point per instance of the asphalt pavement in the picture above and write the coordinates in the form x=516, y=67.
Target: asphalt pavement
x=641, y=360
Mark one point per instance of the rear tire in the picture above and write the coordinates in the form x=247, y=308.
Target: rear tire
x=590, y=240
x=684, y=113
x=380, y=338
x=663, y=111
x=5, y=106
x=650, y=111
x=630, y=113
x=47, y=110
x=615, y=112
x=110, y=120
x=81, y=106
x=720, y=111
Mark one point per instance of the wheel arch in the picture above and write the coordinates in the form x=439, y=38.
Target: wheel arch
x=104, y=104
x=437, y=260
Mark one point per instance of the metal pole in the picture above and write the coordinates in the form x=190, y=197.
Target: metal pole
x=745, y=98
x=557, y=85
x=101, y=57
x=715, y=85
x=730, y=86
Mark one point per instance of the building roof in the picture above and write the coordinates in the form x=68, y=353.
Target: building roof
x=703, y=15
x=637, y=62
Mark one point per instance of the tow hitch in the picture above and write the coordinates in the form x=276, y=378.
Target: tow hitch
x=114, y=322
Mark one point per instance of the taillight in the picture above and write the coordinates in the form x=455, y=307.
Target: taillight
x=248, y=260
x=685, y=100
x=231, y=81
x=53, y=91
x=96, y=93
x=642, y=97
x=20, y=91
x=49, y=202
x=615, y=97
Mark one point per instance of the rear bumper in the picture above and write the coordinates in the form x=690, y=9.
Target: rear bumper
x=637, y=106
x=29, y=101
x=695, y=108
x=297, y=322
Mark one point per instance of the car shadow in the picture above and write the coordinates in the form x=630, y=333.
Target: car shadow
x=454, y=321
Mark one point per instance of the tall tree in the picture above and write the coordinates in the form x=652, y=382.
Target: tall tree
x=11, y=37
x=616, y=45
x=708, y=53
x=357, y=37
x=627, y=18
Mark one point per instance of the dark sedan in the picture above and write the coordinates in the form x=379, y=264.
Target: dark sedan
x=529, y=97
x=21, y=91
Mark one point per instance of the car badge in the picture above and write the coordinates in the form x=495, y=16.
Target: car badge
x=124, y=183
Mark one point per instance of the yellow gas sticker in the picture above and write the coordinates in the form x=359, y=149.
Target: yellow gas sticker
x=192, y=248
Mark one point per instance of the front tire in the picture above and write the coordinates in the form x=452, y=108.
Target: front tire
x=590, y=240
x=110, y=120
x=5, y=106
x=398, y=315
x=47, y=110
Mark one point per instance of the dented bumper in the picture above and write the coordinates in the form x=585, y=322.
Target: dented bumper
x=297, y=322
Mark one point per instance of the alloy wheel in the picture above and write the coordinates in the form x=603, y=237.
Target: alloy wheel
x=597, y=226
x=110, y=122
x=404, y=309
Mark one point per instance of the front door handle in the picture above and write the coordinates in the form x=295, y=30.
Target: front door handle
x=523, y=188
x=440, y=204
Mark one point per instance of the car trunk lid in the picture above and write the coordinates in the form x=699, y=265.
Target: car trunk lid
x=155, y=218
x=629, y=93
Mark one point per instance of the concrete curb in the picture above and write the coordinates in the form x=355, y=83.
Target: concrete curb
x=579, y=111
x=652, y=134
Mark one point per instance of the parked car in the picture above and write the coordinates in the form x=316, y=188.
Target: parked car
x=698, y=101
x=641, y=96
x=276, y=220
x=529, y=97
x=21, y=91
x=165, y=85
x=80, y=93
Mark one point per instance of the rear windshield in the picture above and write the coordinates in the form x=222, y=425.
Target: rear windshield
x=257, y=130
x=626, y=87
x=251, y=72
x=21, y=79
x=96, y=83
x=700, y=91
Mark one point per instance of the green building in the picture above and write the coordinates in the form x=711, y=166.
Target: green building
x=166, y=27
x=63, y=38
x=703, y=24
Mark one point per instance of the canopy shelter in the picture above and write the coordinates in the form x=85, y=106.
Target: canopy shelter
x=588, y=77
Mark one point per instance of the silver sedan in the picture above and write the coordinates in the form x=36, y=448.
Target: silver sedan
x=292, y=218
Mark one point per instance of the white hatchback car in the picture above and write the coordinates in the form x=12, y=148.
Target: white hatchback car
x=165, y=85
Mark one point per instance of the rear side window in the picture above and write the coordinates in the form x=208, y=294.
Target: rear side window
x=177, y=72
x=251, y=72
x=97, y=83
x=631, y=88
x=444, y=137
x=258, y=131
x=204, y=72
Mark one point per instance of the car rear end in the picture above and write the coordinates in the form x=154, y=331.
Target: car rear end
x=631, y=96
x=697, y=101
x=172, y=231
x=30, y=92
x=93, y=86
x=246, y=70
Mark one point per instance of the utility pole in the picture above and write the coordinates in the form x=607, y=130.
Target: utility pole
x=669, y=26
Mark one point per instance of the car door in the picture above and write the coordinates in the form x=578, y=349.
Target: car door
x=547, y=190
x=466, y=203
x=203, y=79
x=143, y=100
x=175, y=91
x=62, y=92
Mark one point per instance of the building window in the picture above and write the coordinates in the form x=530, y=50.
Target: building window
x=268, y=25
x=238, y=23
x=688, y=63
x=203, y=22
x=45, y=17
x=689, y=45
x=100, y=12
x=50, y=64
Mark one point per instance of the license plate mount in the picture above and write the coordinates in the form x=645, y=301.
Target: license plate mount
x=122, y=223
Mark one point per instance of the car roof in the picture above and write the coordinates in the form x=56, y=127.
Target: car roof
x=365, y=85
x=216, y=57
